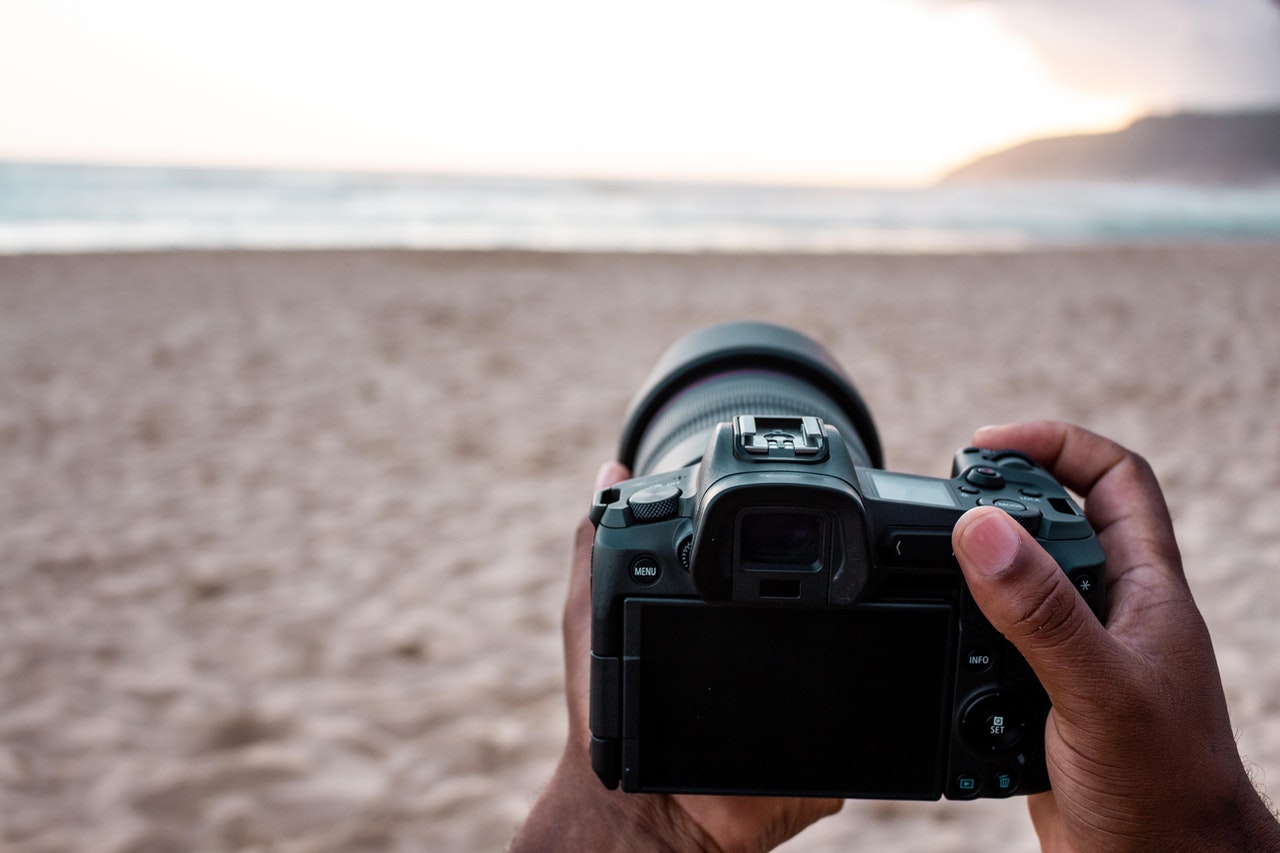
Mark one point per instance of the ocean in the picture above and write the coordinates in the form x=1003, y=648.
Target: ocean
x=73, y=208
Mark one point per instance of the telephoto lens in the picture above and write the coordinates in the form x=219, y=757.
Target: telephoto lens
x=722, y=371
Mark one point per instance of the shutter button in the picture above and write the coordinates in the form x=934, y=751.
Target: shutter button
x=985, y=477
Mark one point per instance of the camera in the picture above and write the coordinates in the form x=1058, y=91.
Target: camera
x=774, y=613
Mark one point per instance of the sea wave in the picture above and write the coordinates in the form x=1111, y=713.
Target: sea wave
x=64, y=208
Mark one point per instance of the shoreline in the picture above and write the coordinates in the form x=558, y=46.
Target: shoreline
x=1154, y=244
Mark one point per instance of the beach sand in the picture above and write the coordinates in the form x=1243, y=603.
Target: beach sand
x=283, y=536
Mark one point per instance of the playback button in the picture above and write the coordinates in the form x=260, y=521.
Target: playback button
x=967, y=786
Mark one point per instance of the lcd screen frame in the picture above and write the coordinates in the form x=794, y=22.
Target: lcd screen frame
x=849, y=702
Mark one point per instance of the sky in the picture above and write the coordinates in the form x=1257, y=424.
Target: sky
x=864, y=92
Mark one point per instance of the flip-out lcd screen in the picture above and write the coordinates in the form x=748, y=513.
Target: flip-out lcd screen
x=792, y=701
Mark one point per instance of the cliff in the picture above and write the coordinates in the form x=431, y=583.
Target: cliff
x=1198, y=148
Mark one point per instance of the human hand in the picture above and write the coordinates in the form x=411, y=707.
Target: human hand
x=576, y=812
x=1139, y=744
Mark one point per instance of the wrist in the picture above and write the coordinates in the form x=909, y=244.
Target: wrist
x=1257, y=828
x=1243, y=823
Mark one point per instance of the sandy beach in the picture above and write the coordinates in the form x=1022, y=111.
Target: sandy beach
x=283, y=536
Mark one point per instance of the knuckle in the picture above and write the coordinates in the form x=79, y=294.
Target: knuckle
x=1140, y=469
x=1049, y=614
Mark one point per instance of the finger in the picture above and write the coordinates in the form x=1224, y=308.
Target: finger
x=1029, y=599
x=1123, y=502
x=755, y=823
x=1117, y=483
x=1076, y=457
x=1047, y=820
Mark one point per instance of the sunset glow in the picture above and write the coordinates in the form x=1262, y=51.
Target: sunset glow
x=882, y=92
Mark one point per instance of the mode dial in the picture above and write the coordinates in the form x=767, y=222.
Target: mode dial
x=655, y=503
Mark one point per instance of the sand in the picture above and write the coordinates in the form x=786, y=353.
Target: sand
x=283, y=536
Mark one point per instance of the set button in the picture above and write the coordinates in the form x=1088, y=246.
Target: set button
x=995, y=721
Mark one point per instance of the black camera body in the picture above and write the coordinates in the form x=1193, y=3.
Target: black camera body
x=784, y=617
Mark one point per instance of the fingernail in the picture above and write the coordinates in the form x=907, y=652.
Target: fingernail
x=604, y=476
x=988, y=428
x=990, y=541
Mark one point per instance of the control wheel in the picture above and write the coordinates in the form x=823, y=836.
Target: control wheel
x=995, y=721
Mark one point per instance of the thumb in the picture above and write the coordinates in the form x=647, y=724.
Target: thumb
x=1027, y=597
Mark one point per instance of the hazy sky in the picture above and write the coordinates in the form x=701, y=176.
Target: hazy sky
x=854, y=91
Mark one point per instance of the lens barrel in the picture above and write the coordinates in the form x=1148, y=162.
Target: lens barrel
x=719, y=372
